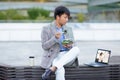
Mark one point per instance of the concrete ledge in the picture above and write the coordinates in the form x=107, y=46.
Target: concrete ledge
x=82, y=31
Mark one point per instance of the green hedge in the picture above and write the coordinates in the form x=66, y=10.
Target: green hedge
x=2, y=16
x=81, y=17
x=32, y=14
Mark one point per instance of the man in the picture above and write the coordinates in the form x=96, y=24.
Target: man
x=56, y=54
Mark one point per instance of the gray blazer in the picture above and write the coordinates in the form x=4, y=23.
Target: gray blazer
x=50, y=44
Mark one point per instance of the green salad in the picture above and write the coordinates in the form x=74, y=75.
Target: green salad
x=67, y=41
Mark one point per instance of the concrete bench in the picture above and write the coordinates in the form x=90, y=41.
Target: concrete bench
x=3, y=73
x=111, y=72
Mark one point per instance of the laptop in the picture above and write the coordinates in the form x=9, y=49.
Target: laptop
x=101, y=59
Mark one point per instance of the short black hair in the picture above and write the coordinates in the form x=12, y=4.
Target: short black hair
x=61, y=10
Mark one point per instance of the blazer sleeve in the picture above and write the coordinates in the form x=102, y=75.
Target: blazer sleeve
x=46, y=39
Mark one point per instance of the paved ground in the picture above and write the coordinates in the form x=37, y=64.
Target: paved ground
x=17, y=53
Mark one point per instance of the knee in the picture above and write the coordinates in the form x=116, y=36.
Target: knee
x=76, y=49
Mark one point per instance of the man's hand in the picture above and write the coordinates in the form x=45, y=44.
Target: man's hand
x=57, y=35
x=67, y=45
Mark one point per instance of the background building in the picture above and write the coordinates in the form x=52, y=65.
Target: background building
x=104, y=10
x=76, y=7
x=81, y=10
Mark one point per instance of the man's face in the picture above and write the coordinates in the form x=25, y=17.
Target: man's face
x=62, y=20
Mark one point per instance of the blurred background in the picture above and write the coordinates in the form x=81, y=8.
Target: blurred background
x=95, y=25
x=42, y=10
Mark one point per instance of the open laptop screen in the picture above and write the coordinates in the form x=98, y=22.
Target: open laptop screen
x=103, y=56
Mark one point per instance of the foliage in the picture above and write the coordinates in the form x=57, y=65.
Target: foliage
x=19, y=17
x=81, y=17
x=2, y=16
x=10, y=13
x=33, y=13
x=44, y=12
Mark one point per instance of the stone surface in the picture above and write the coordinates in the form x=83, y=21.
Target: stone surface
x=17, y=53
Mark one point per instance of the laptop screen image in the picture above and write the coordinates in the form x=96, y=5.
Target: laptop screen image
x=102, y=56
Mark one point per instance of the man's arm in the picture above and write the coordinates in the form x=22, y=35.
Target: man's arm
x=47, y=41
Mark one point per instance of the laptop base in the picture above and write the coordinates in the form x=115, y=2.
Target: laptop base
x=96, y=64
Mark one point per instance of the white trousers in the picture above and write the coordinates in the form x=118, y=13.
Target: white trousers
x=62, y=59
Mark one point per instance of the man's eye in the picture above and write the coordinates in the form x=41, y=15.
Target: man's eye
x=66, y=17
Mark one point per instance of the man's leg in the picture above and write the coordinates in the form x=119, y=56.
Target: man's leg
x=53, y=69
x=60, y=74
x=62, y=60
x=67, y=57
